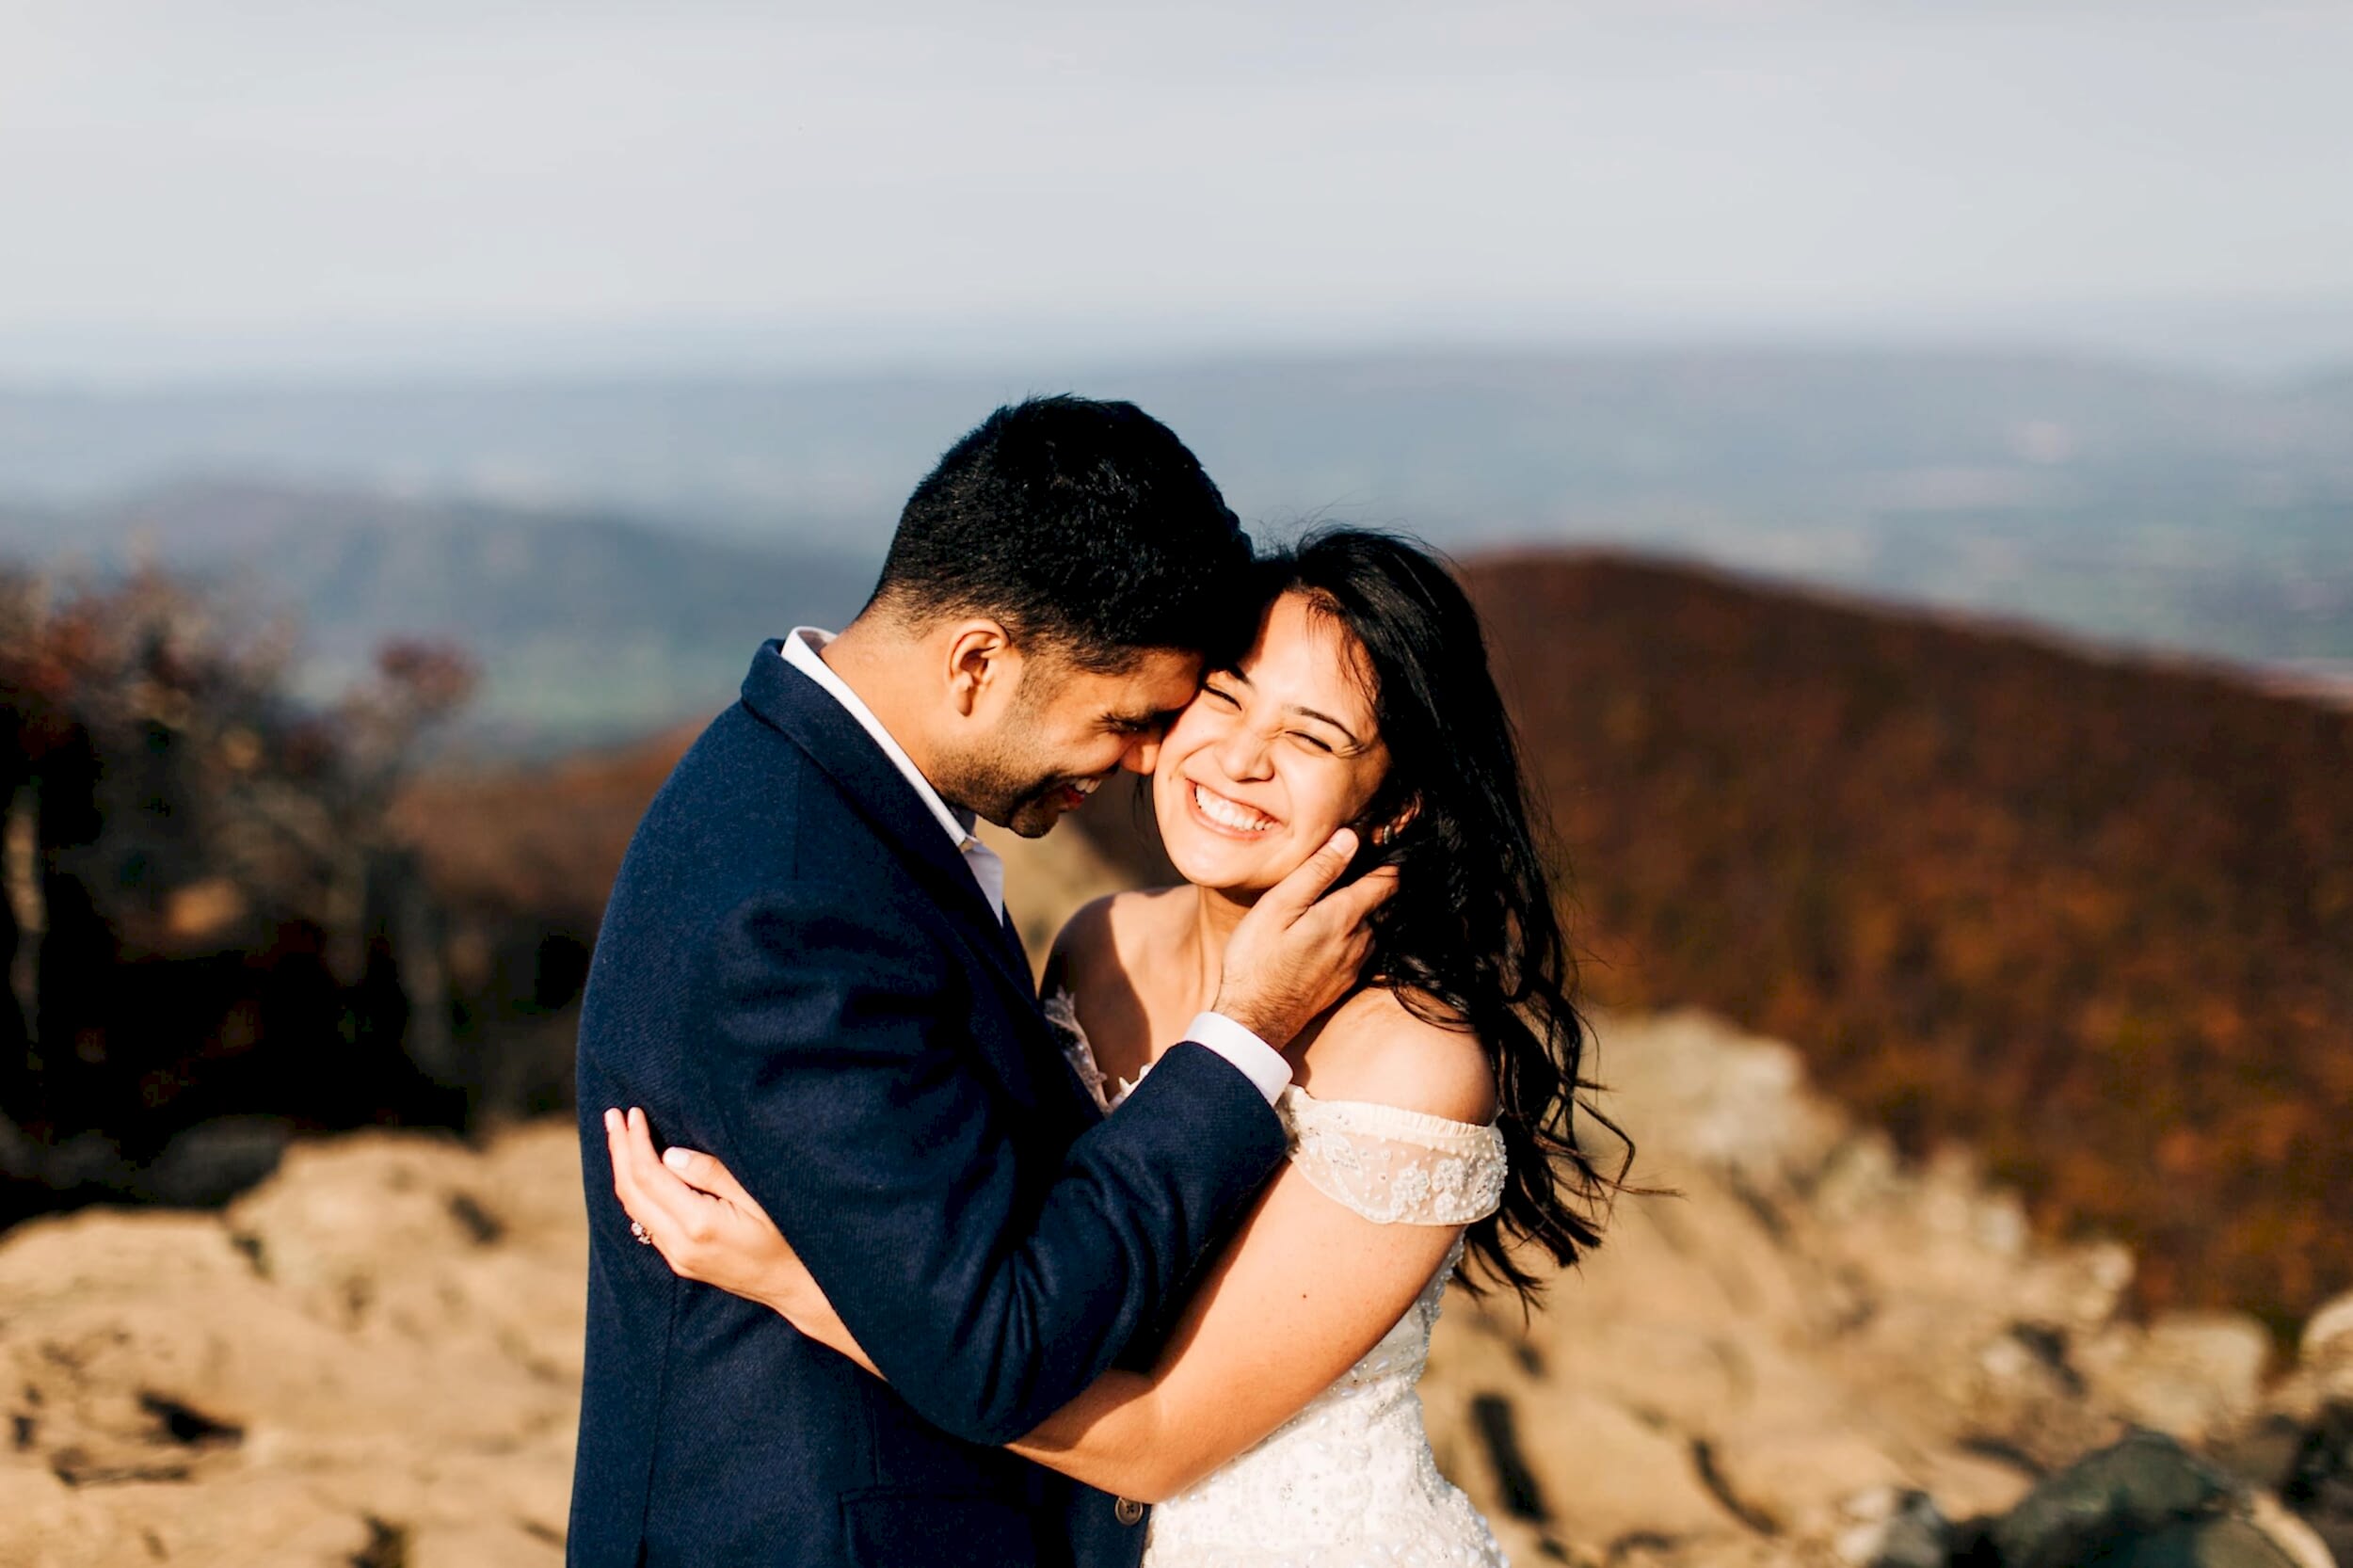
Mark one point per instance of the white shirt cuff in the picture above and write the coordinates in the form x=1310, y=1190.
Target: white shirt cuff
x=1259, y=1062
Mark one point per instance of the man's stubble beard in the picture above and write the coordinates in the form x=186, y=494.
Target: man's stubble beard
x=999, y=780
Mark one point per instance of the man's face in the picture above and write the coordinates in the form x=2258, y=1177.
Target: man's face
x=1066, y=730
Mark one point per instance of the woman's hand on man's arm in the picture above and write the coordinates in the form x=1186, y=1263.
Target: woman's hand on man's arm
x=709, y=1229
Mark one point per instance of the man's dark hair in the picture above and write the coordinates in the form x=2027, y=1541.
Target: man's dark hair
x=1087, y=528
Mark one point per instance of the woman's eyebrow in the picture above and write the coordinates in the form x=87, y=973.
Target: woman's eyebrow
x=1304, y=713
x=1325, y=718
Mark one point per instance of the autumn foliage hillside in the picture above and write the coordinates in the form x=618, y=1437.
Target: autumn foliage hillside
x=2093, y=918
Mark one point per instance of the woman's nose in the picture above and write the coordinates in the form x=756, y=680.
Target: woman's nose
x=1243, y=755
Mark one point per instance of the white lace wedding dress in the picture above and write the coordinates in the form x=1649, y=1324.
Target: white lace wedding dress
x=1350, y=1480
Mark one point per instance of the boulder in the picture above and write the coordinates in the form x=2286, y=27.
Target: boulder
x=2191, y=1374
x=1894, y=1528
x=2202, y=1544
x=2148, y=1502
x=373, y=1359
x=2318, y=1482
x=2327, y=1343
x=1804, y=1476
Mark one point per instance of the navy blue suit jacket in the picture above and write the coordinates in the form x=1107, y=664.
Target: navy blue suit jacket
x=797, y=973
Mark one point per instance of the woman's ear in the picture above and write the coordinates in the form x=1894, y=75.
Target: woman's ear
x=1385, y=833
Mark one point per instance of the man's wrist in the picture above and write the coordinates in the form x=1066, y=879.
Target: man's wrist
x=1269, y=1028
x=1239, y=1044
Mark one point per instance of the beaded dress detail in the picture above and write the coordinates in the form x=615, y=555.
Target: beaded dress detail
x=1350, y=1480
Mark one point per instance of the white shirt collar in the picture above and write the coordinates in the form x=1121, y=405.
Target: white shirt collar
x=801, y=648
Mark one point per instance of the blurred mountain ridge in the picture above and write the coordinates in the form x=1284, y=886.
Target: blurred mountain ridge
x=2121, y=500
x=587, y=625
x=1283, y=434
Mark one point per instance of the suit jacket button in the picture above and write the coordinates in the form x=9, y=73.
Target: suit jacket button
x=1127, y=1512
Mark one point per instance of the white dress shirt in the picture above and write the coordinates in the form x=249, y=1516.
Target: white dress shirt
x=1257, y=1060
x=801, y=650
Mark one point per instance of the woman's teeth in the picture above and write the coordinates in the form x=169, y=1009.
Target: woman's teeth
x=1230, y=813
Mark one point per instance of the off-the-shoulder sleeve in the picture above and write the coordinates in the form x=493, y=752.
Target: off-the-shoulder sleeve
x=1391, y=1165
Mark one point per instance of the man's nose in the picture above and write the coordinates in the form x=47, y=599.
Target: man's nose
x=1143, y=755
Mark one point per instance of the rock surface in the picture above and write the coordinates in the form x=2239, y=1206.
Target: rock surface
x=1809, y=1355
x=1812, y=1355
x=373, y=1359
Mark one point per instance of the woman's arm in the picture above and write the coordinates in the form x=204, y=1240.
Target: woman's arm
x=1299, y=1296
x=1296, y=1299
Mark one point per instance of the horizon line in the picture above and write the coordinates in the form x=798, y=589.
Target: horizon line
x=657, y=353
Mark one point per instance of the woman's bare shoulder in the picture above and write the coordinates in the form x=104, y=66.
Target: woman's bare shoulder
x=1412, y=1052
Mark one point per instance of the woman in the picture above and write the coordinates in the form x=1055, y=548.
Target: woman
x=1429, y=1111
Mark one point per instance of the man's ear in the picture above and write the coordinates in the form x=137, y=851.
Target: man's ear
x=979, y=664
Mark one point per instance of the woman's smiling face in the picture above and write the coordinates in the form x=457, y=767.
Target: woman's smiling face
x=1272, y=757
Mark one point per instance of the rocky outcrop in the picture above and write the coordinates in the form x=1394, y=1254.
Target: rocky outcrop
x=373, y=1359
x=1809, y=1355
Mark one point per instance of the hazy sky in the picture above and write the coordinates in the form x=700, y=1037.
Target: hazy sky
x=375, y=175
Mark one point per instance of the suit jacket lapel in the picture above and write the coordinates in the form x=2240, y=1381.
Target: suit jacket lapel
x=1013, y=940
x=813, y=720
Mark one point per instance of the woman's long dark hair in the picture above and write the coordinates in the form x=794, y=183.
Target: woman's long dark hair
x=1472, y=938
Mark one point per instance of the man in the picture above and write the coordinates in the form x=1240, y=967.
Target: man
x=806, y=968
